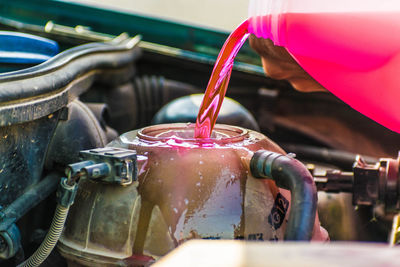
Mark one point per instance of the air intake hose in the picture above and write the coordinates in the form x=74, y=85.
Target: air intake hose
x=289, y=173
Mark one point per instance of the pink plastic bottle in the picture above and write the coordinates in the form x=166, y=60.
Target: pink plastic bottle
x=351, y=47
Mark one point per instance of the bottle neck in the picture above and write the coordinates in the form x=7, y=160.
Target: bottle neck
x=264, y=20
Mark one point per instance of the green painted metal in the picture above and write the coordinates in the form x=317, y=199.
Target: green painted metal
x=195, y=39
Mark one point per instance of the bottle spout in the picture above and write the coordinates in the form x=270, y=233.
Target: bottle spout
x=264, y=19
x=259, y=26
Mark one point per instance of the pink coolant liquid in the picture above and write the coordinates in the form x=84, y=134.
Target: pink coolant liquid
x=218, y=82
x=353, y=55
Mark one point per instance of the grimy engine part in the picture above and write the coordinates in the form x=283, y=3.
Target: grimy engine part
x=186, y=188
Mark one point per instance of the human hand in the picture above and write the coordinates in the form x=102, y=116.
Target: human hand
x=279, y=64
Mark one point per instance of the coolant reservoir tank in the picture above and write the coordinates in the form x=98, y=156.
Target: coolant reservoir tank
x=187, y=188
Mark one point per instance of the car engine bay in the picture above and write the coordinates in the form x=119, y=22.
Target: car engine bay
x=89, y=114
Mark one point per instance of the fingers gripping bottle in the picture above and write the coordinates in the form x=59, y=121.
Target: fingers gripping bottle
x=351, y=47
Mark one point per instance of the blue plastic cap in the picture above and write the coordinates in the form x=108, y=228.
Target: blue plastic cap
x=22, y=48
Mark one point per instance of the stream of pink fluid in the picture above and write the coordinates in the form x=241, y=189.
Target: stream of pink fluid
x=218, y=82
x=356, y=56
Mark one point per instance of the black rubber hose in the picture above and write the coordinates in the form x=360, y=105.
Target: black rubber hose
x=32, y=197
x=342, y=159
x=101, y=112
x=152, y=92
x=289, y=173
